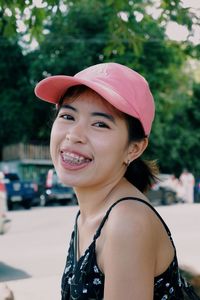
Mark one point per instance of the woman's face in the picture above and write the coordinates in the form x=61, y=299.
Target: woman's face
x=89, y=142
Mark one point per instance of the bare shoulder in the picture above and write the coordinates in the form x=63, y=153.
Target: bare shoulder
x=131, y=216
x=131, y=227
x=129, y=252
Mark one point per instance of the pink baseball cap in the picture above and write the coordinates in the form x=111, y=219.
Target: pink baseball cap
x=122, y=87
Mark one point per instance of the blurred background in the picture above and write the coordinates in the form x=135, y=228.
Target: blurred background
x=158, y=38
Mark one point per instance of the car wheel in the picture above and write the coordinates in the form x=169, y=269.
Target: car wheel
x=27, y=203
x=64, y=202
x=9, y=204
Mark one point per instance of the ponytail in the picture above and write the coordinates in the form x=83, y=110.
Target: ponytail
x=142, y=174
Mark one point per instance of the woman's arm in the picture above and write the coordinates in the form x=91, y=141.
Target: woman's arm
x=129, y=254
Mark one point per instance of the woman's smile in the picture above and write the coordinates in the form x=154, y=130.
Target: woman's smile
x=74, y=160
x=88, y=137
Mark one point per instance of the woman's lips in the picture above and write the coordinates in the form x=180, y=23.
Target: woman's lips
x=74, y=160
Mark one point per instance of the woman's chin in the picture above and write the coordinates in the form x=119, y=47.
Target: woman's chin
x=65, y=180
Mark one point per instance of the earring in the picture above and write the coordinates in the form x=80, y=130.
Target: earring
x=128, y=162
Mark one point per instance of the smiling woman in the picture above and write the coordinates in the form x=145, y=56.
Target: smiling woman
x=88, y=130
x=120, y=247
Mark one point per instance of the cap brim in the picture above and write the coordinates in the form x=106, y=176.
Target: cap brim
x=52, y=89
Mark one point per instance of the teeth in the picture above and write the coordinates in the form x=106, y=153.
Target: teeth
x=74, y=158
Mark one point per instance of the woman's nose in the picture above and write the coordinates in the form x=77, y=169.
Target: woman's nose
x=76, y=135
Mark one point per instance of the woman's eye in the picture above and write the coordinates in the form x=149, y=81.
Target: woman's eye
x=66, y=117
x=101, y=125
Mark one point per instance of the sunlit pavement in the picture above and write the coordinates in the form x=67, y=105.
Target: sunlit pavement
x=33, y=252
x=184, y=223
x=44, y=288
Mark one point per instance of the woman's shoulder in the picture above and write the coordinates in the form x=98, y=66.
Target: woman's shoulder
x=134, y=208
x=131, y=217
x=133, y=227
x=130, y=237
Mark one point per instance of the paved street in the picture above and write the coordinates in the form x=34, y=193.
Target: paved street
x=33, y=252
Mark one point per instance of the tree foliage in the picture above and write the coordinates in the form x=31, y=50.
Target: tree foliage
x=13, y=92
x=75, y=34
x=21, y=119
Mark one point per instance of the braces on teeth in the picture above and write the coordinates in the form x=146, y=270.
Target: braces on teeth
x=70, y=157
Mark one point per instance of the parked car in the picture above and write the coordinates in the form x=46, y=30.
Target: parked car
x=4, y=221
x=56, y=192
x=18, y=191
x=165, y=191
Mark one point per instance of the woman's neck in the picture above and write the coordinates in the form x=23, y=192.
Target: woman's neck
x=95, y=200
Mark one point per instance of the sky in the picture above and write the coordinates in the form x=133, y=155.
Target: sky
x=180, y=33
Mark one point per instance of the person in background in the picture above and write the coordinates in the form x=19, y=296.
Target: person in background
x=120, y=247
x=172, y=182
x=188, y=181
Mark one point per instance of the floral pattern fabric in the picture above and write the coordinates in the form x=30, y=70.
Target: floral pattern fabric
x=83, y=280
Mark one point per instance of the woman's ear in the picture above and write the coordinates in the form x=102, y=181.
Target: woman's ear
x=136, y=149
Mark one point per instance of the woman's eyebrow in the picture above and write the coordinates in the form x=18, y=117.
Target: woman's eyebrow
x=95, y=114
x=68, y=107
x=101, y=114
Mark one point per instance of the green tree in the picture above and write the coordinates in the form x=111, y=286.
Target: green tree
x=19, y=118
x=28, y=14
x=89, y=32
x=80, y=41
x=13, y=92
x=92, y=38
x=182, y=136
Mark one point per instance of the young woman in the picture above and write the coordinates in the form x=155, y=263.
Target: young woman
x=120, y=247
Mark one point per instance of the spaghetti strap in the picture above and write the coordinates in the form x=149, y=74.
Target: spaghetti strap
x=75, y=240
x=98, y=232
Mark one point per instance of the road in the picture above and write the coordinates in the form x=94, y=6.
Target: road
x=33, y=252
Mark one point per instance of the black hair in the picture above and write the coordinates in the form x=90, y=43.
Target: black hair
x=70, y=93
x=141, y=173
x=73, y=92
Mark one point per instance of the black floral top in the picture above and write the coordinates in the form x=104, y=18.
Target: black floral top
x=83, y=280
